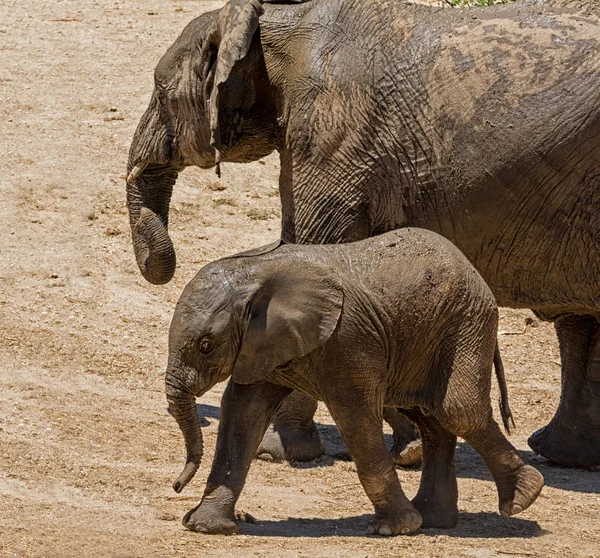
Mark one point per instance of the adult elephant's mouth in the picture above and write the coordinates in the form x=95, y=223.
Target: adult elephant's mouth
x=136, y=171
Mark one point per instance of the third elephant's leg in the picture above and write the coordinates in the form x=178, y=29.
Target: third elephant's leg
x=573, y=436
x=293, y=434
x=407, y=450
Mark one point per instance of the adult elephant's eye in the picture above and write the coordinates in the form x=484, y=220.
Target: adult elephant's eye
x=205, y=345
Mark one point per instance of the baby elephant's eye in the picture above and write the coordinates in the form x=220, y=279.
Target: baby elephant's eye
x=205, y=345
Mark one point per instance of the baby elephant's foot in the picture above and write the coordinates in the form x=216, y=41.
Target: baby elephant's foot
x=402, y=523
x=437, y=514
x=518, y=491
x=209, y=522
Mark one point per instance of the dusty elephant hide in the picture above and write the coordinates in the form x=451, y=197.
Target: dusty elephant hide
x=398, y=321
x=482, y=125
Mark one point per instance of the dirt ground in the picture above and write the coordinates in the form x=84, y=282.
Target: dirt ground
x=87, y=449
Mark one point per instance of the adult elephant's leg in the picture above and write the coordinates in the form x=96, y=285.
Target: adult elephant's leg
x=316, y=208
x=293, y=434
x=407, y=450
x=573, y=436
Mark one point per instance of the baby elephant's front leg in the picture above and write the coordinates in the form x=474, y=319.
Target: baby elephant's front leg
x=363, y=434
x=246, y=411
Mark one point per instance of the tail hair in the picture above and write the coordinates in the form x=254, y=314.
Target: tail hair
x=505, y=412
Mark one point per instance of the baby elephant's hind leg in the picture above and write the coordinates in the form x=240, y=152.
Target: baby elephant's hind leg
x=467, y=413
x=438, y=493
x=518, y=484
x=362, y=431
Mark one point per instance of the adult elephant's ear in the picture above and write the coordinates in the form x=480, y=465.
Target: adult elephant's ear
x=293, y=309
x=237, y=23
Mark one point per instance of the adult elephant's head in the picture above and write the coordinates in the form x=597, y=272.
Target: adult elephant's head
x=212, y=102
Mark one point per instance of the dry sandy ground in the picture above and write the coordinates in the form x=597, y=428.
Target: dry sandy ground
x=87, y=448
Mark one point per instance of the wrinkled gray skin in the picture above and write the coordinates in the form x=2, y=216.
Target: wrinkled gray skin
x=402, y=320
x=482, y=125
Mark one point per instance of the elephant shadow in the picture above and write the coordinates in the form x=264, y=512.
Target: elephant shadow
x=470, y=465
x=335, y=448
x=468, y=462
x=470, y=525
x=206, y=412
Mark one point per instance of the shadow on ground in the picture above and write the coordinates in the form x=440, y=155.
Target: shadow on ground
x=470, y=525
x=470, y=465
x=468, y=462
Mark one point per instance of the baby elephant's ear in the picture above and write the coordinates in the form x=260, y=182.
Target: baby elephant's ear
x=294, y=309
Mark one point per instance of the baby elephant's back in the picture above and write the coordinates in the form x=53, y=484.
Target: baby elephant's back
x=423, y=279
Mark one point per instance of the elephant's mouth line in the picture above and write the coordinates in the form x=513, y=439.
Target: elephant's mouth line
x=140, y=167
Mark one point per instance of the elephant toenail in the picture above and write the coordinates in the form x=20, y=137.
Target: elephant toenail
x=516, y=509
x=385, y=530
x=404, y=530
x=370, y=529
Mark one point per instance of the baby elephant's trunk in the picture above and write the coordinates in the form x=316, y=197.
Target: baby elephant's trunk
x=507, y=416
x=183, y=407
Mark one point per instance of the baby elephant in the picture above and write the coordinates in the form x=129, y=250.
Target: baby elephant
x=399, y=320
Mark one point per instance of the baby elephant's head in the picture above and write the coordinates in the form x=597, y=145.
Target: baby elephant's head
x=243, y=317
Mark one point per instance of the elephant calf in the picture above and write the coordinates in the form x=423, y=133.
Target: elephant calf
x=399, y=320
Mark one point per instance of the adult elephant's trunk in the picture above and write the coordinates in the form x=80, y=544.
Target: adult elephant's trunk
x=183, y=407
x=148, y=197
x=151, y=173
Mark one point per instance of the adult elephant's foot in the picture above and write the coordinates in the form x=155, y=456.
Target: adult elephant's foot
x=518, y=491
x=573, y=436
x=407, y=450
x=213, y=516
x=293, y=436
x=403, y=522
x=563, y=443
x=290, y=444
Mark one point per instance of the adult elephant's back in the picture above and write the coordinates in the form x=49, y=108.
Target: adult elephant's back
x=517, y=106
x=483, y=128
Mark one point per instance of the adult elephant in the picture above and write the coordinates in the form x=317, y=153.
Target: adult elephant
x=483, y=126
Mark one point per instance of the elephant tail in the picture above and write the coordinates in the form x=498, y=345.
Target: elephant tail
x=507, y=416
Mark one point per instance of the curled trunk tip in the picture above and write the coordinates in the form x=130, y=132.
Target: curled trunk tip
x=149, y=189
x=153, y=248
x=186, y=475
